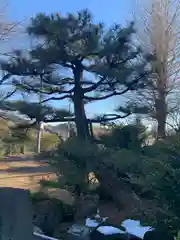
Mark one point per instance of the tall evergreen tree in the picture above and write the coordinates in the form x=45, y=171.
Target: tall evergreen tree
x=70, y=47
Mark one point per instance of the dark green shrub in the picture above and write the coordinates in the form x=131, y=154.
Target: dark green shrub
x=49, y=184
x=128, y=137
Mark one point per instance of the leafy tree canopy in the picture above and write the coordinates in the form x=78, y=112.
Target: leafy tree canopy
x=37, y=112
x=128, y=136
x=79, y=60
x=144, y=183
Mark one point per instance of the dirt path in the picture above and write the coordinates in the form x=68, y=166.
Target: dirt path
x=23, y=172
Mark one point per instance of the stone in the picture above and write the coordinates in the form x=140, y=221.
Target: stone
x=47, y=216
x=15, y=214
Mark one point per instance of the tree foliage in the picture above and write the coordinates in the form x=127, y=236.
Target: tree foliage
x=144, y=183
x=75, y=165
x=49, y=141
x=128, y=137
x=78, y=60
x=18, y=138
x=35, y=111
x=74, y=43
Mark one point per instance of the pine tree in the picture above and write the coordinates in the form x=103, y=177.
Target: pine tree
x=70, y=47
x=35, y=112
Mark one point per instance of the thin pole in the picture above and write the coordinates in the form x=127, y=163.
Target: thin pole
x=40, y=127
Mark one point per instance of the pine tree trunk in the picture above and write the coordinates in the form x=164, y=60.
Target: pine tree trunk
x=81, y=121
x=80, y=118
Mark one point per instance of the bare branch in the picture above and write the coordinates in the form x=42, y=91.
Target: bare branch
x=59, y=120
x=4, y=78
x=94, y=86
x=56, y=98
x=109, y=117
x=158, y=32
x=8, y=95
x=106, y=96
x=34, y=89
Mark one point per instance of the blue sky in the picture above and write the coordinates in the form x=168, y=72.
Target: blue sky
x=108, y=11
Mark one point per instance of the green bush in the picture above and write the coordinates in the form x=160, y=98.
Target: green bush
x=155, y=174
x=167, y=150
x=152, y=174
x=49, y=141
x=74, y=160
x=128, y=137
x=50, y=184
x=20, y=141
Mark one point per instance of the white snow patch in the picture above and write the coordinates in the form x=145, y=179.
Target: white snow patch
x=91, y=223
x=109, y=230
x=135, y=228
x=76, y=229
x=131, y=226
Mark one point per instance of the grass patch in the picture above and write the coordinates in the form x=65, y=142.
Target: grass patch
x=49, y=183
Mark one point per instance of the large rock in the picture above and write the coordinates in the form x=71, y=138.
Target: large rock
x=50, y=213
x=47, y=216
x=15, y=214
